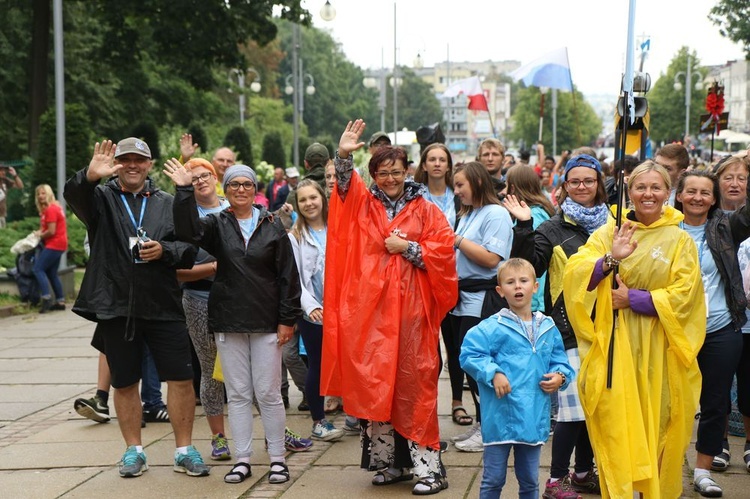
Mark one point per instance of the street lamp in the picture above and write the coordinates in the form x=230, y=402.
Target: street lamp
x=294, y=87
x=688, y=78
x=327, y=12
x=254, y=86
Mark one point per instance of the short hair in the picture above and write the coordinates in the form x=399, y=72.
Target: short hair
x=583, y=150
x=490, y=143
x=515, y=264
x=682, y=179
x=386, y=155
x=677, y=152
x=727, y=162
x=421, y=175
x=195, y=162
x=650, y=166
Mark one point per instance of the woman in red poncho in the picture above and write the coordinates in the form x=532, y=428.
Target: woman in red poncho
x=390, y=279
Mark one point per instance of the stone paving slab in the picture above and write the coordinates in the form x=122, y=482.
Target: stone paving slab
x=26, y=352
x=44, y=484
x=12, y=411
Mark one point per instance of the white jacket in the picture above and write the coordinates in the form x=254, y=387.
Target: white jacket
x=310, y=259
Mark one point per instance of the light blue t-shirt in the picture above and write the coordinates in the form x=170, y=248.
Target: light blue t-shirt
x=247, y=225
x=492, y=228
x=716, y=300
x=445, y=203
x=317, y=278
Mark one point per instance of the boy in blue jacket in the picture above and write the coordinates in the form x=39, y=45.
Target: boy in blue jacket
x=518, y=359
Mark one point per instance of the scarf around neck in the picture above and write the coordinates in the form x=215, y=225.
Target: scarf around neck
x=588, y=218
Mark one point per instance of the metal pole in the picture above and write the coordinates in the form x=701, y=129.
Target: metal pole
x=688, y=92
x=383, y=89
x=241, y=81
x=301, y=97
x=57, y=14
x=554, y=124
x=395, y=81
x=295, y=94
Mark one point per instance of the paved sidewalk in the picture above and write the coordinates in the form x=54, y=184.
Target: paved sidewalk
x=48, y=451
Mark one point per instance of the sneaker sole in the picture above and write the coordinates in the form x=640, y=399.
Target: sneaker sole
x=132, y=474
x=327, y=438
x=89, y=413
x=222, y=457
x=299, y=449
x=470, y=449
x=182, y=469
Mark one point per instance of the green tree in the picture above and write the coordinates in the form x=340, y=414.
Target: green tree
x=577, y=123
x=667, y=105
x=238, y=140
x=149, y=134
x=77, y=147
x=273, y=150
x=733, y=19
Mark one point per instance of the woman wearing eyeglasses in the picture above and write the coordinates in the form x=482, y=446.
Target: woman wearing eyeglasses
x=196, y=284
x=640, y=426
x=583, y=209
x=390, y=279
x=252, y=307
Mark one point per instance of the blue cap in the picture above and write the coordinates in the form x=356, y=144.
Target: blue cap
x=582, y=160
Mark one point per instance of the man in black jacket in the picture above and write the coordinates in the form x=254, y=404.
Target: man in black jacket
x=130, y=290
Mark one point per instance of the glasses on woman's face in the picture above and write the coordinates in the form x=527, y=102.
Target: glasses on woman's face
x=396, y=174
x=235, y=186
x=587, y=182
x=203, y=177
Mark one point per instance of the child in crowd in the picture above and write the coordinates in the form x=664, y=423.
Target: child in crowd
x=308, y=237
x=517, y=358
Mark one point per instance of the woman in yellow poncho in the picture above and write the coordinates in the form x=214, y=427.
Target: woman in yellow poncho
x=640, y=427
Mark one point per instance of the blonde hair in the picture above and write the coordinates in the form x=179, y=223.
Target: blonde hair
x=50, y=197
x=515, y=264
x=650, y=166
x=301, y=226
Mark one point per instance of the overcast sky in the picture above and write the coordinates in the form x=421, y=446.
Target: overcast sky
x=594, y=31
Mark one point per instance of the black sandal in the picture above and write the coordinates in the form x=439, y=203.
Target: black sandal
x=434, y=484
x=279, y=473
x=389, y=478
x=239, y=473
x=462, y=419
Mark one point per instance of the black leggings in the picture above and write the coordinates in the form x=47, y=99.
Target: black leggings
x=569, y=435
x=454, y=329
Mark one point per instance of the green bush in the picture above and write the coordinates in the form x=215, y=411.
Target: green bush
x=273, y=150
x=238, y=140
x=21, y=228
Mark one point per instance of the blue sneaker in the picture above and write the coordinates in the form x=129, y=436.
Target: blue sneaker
x=294, y=442
x=133, y=463
x=220, y=448
x=190, y=463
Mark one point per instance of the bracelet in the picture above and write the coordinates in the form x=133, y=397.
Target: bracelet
x=611, y=261
x=457, y=246
x=564, y=379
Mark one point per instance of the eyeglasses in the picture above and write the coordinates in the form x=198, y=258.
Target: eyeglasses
x=575, y=183
x=203, y=177
x=399, y=174
x=235, y=186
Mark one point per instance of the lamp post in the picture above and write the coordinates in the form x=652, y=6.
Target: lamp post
x=295, y=88
x=688, y=75
x=254, y=86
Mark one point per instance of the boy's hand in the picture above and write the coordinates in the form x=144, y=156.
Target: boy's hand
x=501, y=384
x=552, y=382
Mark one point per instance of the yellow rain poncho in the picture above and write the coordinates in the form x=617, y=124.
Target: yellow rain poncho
x=641, y=427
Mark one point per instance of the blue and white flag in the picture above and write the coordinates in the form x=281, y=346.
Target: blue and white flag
x=552, y=70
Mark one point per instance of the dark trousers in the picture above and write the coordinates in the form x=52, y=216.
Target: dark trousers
x=567, y=436
x=312, y=335
x=718, y=361
x=743, y=378
x=458, y=326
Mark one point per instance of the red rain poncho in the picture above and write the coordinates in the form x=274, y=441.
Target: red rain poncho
x=382, y=313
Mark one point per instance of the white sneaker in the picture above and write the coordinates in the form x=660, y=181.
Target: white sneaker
x=471, y=444
x=467, y=434
x=325, y=431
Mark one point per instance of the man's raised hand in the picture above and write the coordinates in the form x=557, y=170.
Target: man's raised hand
x=102, y=162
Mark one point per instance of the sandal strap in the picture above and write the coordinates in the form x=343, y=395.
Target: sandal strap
x=241, y=470
x=278, y=468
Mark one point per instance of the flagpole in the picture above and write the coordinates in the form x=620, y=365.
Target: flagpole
x=627, y=90
x=542, y=91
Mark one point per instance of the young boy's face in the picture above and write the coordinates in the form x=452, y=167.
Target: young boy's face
x=517, y=286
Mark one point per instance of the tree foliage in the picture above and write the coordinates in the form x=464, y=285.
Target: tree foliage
x=733, y=19
x=238, y=140
x=417, y=104
x=577, y=124
x=667, y=105
x=273, y=150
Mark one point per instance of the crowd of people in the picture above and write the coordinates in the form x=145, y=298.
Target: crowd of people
x=610, y=335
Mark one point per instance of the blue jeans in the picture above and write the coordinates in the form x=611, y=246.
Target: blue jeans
x=496, y=465
x=45, y=268
x=150, y=383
